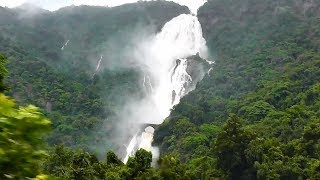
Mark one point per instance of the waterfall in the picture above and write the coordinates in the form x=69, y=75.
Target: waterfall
x=98, y=66
x=147, y=85
x=131, y=148
x=167, y=79
x=209, y=71
x=180, y=79
x=65, y=45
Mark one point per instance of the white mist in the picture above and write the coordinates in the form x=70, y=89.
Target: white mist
x=166, y=80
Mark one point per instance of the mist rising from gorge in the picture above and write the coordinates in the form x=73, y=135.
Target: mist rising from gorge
x=149, y=59
x=162, y=59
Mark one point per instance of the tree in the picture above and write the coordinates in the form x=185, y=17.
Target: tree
x=170, y=168
x=83, y=165
x=21, y=145
x=311, y=139
x=112, y=159
x=65, y=163
x=58, y=163
x=205, y=168
x=230, y=148
x=140, y=163
x=3, y=72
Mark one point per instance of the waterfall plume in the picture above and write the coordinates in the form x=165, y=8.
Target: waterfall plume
x=164, y=59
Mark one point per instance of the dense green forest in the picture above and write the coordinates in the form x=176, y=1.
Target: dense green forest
x=255, y=116
x=62, y=82
x=24, y=153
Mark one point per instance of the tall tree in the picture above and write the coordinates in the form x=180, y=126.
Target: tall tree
x=230, y=148
x=3, y=72
x=21, y=146
x=140, y=163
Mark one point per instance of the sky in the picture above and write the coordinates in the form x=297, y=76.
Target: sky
x=56, y=4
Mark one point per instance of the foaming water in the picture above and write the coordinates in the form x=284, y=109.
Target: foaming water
x=166, y=64
x=131, y=148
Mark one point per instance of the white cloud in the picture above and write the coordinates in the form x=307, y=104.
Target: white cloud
x=103, y=2
x=56, y=4
x=11, y=3
x=51, y=4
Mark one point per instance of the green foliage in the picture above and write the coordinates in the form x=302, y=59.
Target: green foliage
x=61, y=82
x=21, y=146
x=230, y=148
x=204, y=168
x=139, y=163
x=112, y=159
x=171, y=168
x=266, y=72
x=67, y=164
x=3, y=72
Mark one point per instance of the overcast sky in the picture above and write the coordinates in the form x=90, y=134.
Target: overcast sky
x=56, y=4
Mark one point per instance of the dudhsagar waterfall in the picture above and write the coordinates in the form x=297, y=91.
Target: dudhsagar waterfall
x=166, y=79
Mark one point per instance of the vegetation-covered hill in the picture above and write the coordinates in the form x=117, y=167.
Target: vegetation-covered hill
x=265, y=84
x=61, y=81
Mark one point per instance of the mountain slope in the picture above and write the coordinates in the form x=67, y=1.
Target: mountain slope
x=267, y=73
x=64, y=81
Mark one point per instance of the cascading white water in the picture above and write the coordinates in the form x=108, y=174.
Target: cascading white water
x=65, y=45
x=98, y=66
x=167, y=75
x=180, y=79
x=131, y=148
x=180, y=38
x=147, y=85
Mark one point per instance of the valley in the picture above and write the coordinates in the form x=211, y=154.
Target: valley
x=222, y=89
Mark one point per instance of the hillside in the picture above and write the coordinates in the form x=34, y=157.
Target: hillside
x=267, y=74
x=64, y=81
